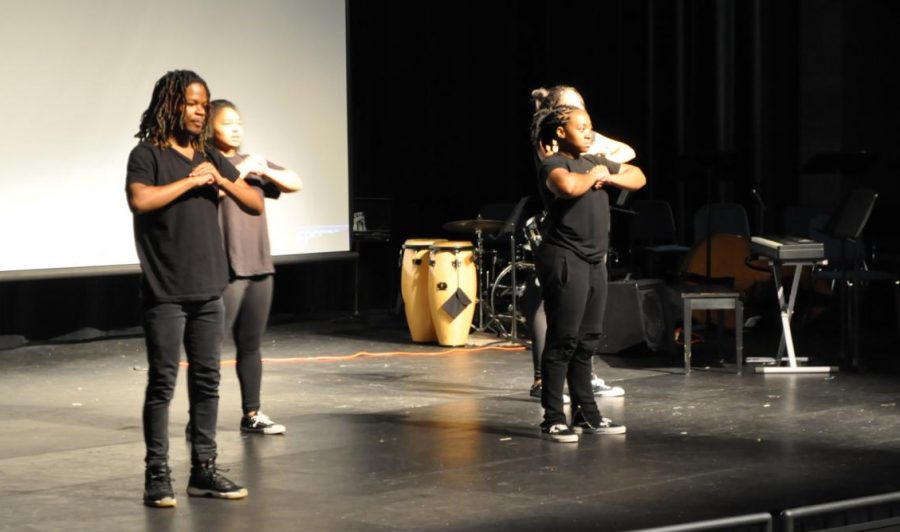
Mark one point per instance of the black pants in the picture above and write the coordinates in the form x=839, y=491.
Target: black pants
x=574, y=303
x=198, y=326
x=247, y=304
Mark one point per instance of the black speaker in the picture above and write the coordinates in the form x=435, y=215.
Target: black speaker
x=637, y=313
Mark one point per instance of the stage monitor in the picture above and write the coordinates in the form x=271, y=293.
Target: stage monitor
x=78, y=75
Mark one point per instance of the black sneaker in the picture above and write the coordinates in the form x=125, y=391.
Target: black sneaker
x=207, y=482
x=158, y=486
x=559, y=433
x=606, y=426
x=261, y=424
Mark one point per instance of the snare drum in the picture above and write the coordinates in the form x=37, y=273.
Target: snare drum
x=452, y=290
x=414, y=288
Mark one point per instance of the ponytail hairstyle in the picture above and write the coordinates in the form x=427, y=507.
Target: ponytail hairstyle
x=546, y=121
x=549, y=98
x=163, y=116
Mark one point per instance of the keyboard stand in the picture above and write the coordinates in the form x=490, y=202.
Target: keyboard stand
x=787, y=312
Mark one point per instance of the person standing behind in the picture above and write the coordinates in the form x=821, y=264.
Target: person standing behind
x=612, y=150
x=571, y=264
x=172, y=185
x=248, y=296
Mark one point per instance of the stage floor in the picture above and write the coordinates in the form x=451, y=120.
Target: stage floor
x=435, y=441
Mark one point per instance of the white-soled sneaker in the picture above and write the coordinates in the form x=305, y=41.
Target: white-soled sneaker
x=600, y=388
x=261, y=424
x=606, y=426
x=559, y=433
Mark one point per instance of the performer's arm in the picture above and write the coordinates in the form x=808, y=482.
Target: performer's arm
x=285, y=179
x=143, y=198
x=566, y=184
x=629, y=177
x=614, y=150
x=242, y=193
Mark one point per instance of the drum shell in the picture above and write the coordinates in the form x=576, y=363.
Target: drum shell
x=414, y=262
x=452, y=267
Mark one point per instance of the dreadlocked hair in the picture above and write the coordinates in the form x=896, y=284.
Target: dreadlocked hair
x=549, y=98
x=546, y=121
x=163, y=116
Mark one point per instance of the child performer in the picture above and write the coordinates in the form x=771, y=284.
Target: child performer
x=249, y=292
x=571, y=264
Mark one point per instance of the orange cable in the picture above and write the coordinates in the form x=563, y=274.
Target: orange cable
x=367, y=354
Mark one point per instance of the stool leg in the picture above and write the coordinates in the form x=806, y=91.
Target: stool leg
x=739, y=335
x=686, y=329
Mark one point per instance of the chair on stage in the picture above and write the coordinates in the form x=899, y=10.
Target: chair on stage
x=652, y=239
x=721, y=218
x=847, y=271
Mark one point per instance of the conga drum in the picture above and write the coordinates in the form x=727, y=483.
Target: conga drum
x=452, y=290
x=414, y=288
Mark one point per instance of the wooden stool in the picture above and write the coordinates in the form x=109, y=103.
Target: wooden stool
x=707, y=298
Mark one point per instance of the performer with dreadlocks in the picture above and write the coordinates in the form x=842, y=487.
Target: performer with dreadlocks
x=536, y=320
x=173, y=183
x=571, y=264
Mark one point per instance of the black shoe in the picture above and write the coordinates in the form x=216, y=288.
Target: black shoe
x=207, y=482
x=605, y=426
x=261, y=424
x=559, y=433
x=158, y=486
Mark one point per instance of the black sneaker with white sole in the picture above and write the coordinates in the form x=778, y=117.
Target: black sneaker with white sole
x=261, y=424
x=158, y=486
x=606, y=426
x=206, y=481
x=559, y=433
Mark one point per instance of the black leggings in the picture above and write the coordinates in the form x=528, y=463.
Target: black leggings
x=247, y=304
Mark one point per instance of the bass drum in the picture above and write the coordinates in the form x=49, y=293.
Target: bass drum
x=502, y=290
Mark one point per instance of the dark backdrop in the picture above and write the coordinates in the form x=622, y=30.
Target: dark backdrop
x=717, y=98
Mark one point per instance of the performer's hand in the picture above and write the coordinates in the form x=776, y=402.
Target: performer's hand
x=253, y=164
x=209, y=170
x=600, y=174
x=548, y=149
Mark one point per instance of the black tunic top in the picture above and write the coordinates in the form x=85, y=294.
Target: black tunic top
x=247, y=235
x=578, y=224
x=180, y=245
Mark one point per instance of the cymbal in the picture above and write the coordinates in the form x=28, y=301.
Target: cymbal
x=472, y=226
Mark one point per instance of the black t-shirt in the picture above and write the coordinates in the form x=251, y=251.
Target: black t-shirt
x=180, y=245
x=579, y=224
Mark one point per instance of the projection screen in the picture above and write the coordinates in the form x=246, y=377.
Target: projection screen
x=78, y=75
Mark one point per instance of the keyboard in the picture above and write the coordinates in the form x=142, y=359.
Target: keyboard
x=787, y=248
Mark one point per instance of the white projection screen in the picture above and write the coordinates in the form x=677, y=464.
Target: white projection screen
x=78, y=74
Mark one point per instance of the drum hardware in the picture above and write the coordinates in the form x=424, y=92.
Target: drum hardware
x=479, y=226
x=487, y=317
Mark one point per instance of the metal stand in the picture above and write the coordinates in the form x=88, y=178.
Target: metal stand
x=787, y=339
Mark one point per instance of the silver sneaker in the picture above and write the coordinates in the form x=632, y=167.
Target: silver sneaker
x=600, y=388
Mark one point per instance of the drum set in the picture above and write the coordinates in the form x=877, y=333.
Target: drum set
x=444, y=282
